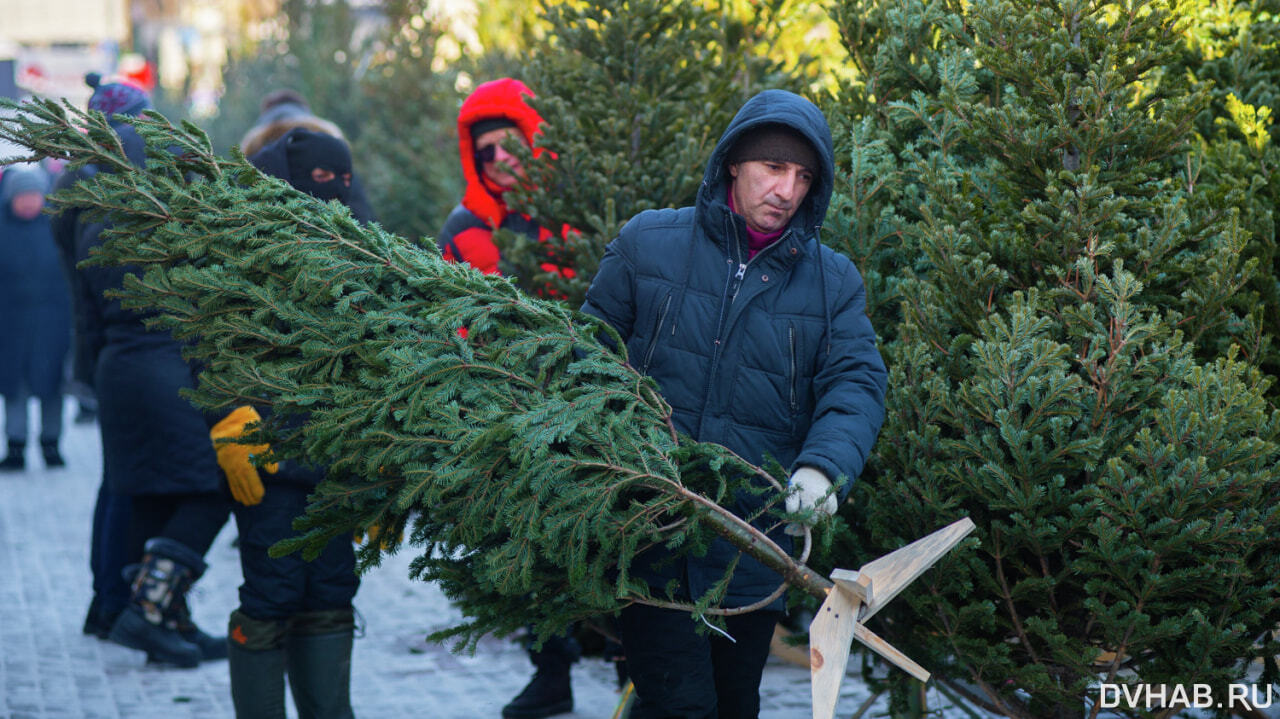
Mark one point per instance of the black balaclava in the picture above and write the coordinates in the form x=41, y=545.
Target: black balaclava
x=308, y=151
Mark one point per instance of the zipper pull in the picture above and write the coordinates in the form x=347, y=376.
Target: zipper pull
x=742, y=271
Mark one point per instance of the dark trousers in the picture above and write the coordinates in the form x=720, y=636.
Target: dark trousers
x=280, y=587
x=15, y=416
x=680, y=673
x=109, y=550
x=193, y=520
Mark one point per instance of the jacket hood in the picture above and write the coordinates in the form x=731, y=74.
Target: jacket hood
x=782, y=108
x=496, y=98
x=277, y=122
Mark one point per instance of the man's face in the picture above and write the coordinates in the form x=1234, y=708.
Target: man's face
x=27, y=205
x=501, y=167
x=767, y=193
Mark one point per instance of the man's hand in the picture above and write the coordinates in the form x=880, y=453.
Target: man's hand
x=809, y=490
x=236, y=459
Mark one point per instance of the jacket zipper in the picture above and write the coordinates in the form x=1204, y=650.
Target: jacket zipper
x=734, y=284
x=657, y=329
x=742, y=266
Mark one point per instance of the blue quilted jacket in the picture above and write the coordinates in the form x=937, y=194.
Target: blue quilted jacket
x=772, y=355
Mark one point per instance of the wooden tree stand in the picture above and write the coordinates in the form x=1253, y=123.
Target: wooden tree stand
x=855, y=598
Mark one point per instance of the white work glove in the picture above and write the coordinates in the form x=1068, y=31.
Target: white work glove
x=809, y=490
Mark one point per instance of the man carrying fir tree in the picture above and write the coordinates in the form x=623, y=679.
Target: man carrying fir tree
x=295, y=616
x=758, y=337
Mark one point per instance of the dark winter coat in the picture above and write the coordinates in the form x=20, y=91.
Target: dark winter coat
x=154, y=441
x=35, y=304
x=772, y=356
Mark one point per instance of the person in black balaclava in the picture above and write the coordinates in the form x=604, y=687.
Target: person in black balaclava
x=284, y=110
x=313, y=162
x=295, y=616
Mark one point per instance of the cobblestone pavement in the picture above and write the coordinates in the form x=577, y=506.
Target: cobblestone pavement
x=49, y=670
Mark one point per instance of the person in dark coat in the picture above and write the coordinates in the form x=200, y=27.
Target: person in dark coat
x=35, y=315
x=494, y=114
x=108, y=550
x=155, y=445
x=757, y=336
x=295, y=616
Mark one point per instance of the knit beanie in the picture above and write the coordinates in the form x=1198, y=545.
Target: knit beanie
x=777, y=143
x=116, y=98
x=22, y=179
x=489, y=124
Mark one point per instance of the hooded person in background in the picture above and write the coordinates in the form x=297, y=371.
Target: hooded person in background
x=283, y=110
x=494, y=114
x=155, y=445
x=295, y=616
x=35, y=314
x=758, y=338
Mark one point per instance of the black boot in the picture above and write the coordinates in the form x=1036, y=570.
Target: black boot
x=150, y=622
x=52, y=458
x=257, y=663
x=15, y=461
x=318, y=653
x=549, y=692
x=210, y=647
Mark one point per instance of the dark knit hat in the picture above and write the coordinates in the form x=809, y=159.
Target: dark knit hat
x=489, y=124
x=116, y=98
x=19, y=179
x=778, y=143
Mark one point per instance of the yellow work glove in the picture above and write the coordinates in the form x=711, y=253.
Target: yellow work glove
x=235, y=458
x=375, y=532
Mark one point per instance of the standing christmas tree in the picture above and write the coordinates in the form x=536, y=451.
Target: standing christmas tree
x=1063, y=370
x=634, y=95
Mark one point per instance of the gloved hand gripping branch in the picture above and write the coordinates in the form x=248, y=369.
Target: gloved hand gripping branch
x=809, y=490
x=236, y=458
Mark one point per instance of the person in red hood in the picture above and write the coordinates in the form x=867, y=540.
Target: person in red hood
x=491, y=118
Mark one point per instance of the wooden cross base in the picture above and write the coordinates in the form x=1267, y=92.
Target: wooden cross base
x=855, y=598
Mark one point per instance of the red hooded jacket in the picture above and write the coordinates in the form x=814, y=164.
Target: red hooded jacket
x=467, y=235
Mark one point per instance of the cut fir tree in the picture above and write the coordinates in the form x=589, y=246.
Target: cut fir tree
x=520, y=451
x=524, y=455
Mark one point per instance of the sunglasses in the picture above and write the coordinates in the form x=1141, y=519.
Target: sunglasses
x=486, y=154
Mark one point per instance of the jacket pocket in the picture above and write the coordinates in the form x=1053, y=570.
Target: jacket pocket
x=653, y=338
